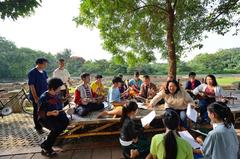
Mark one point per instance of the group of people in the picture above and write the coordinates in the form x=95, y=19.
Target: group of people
x=49, y=98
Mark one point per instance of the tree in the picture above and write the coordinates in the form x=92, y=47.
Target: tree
x=65, y=54
x=135, y=29
x=17, y=8
x=74, y=65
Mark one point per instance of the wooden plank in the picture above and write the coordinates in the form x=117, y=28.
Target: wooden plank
x=88, y=134
x=103, y=153
x=91, y=118
x=5, y=157
x=64, y=155
x=25, y=156
x=83, y=154
x=39, y=156
x=103, y=133
x=117, y=153
x=60, y=155
x=102, y=127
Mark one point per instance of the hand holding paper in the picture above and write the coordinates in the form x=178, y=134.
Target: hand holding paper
x=148, y=118
x=191, y=113
x=188, y=137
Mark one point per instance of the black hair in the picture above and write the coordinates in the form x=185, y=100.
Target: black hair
x=176, y=84
x=61, y=60
x=223, y=113
x=192, y=74
x=131, y=106
x=54, y=83
x=213, y=79
x=146, y=77
x=98, y=76
x=137, y=73
x=171, y=120
x=116, y=80
x=41, y=61
x=120, y=75
x=84, y=75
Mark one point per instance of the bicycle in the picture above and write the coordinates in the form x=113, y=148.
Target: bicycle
x=24, y=103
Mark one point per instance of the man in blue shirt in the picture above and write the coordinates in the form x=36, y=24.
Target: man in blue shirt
x=37, y=81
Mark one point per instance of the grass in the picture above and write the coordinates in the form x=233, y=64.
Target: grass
x=227, y=80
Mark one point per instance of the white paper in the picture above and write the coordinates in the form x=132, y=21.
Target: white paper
x=148, y=118
x=191, y=113
x=188, y=137
x=141, y=106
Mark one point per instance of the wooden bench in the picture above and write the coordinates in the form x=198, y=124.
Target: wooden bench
x=93, y=126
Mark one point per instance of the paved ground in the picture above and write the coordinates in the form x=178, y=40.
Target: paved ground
x=18, y=139
x=97, y=153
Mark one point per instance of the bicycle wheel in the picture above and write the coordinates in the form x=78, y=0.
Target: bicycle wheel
x=27, y=105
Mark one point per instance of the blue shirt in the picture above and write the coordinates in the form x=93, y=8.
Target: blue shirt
x=39, y=80
x=221, y=143
x=135, y=83
x=114, y=95
x=48, y=102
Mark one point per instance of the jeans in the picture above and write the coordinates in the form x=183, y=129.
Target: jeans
x=56, y=125
x=83, y=110
x=183, y=117
x=203, y=104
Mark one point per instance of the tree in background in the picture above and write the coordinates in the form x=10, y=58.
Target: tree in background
x=17, y=8
x=65, y=54
x=133, y=30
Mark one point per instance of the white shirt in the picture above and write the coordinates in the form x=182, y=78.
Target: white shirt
x=63, y=75
x=219, y=92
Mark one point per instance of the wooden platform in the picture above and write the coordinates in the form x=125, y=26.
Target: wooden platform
x=93, y=126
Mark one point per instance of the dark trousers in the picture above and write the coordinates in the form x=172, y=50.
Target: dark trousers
x=35, y=116
x=203, y=104
x=83, y=110
x=63, y=95
x=56, y=125
x=143, y=147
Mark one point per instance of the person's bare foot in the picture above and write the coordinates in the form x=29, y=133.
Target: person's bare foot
x=100, y=115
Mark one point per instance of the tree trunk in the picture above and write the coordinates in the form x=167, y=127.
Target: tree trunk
x=172, y=61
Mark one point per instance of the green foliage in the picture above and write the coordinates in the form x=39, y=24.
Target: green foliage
x=223, y=61
x=17, y=8
x=133, y=30
x=16, y=62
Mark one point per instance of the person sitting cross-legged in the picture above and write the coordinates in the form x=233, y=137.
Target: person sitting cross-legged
x=135, y=84
x=98, y=87
x=114, y=99
x=85, y=99
x=148, y=89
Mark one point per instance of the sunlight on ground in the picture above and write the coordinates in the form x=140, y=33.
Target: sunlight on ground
x=228, y=80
